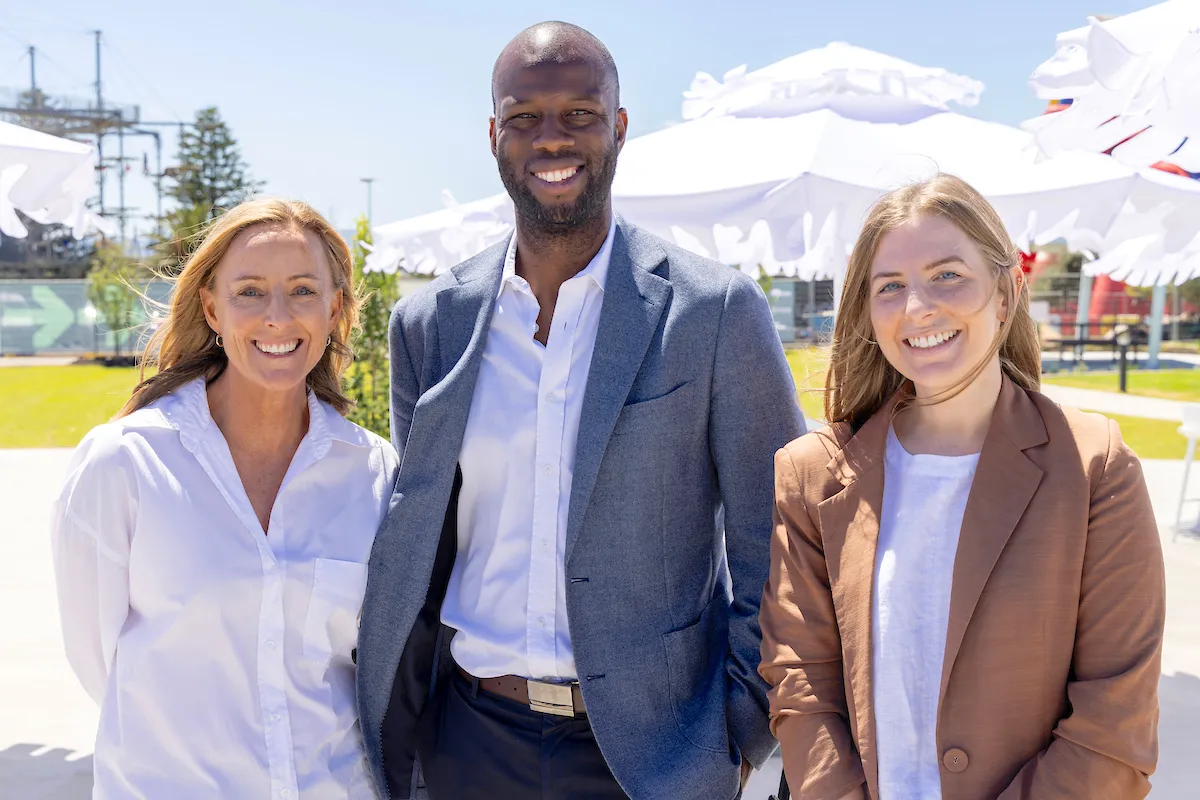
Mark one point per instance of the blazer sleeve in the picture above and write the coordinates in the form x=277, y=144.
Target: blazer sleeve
x=802, y=652
x=1108, y=745
x=92, y=526
x=752, y=414
x=405, y=386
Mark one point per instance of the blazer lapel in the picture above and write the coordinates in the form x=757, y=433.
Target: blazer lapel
x=464, y=311
x=1005, y=482
x=849, y=522
x=634, y=300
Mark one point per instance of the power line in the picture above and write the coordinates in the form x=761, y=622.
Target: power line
x=134, y=76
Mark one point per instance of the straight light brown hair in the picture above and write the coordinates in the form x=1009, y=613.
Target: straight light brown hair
x=860, y=380
x=184, y=348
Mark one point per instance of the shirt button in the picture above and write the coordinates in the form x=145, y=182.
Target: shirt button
x=541, y=623
x=270, y=644
x=547, y=469
x=274, y=718
x=286, y=793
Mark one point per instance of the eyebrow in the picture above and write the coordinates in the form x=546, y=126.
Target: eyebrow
x=301, y=276
x=941, y=262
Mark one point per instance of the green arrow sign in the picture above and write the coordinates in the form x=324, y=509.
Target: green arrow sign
x=53, y=317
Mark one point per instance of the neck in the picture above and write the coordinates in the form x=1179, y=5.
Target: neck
x=546, y=259
x=256, y=420
x=954, y=427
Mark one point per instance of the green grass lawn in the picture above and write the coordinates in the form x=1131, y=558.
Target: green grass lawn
x=1149, y=438
x=56, y=406
x=1168, y=384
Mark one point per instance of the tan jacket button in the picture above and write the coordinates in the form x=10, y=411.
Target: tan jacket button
x=955, y=760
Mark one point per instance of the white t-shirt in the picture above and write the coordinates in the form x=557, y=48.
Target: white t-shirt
x=924, y=497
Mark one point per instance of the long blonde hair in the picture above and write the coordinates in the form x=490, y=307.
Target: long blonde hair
x=184, y=347
x=860, y=380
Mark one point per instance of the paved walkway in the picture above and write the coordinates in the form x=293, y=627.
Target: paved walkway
x=1129, y=405
x=48, y=724
x=37, y=361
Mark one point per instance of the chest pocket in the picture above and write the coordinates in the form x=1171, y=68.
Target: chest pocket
x=331, y=627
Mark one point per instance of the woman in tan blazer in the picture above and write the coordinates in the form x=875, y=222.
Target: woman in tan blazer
x=966, y=596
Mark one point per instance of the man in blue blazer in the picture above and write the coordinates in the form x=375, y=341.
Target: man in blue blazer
x=563, y=599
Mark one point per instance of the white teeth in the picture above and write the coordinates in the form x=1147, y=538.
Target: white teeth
x=925, y=342
x=558, y=175
x=278, y=349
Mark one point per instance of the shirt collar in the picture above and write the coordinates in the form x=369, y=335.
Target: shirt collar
x=186, y=409
x=597, y=268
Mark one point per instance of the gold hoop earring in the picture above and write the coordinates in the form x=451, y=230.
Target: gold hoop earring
x=328, y=340
x=220, y=342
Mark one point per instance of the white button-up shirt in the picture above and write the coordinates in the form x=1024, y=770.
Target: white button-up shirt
x=220, y=656
x=507, y=592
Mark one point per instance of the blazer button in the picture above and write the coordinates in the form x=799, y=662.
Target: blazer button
x=955, y=760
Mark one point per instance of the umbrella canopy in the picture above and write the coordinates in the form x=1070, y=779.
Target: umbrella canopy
x=1134, y=87
x=46, y=177
x=776, y=168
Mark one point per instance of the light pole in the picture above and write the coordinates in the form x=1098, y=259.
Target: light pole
x=368, y=182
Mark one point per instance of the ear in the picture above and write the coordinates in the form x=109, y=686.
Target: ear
x=622, y=126
x=335, y=309
x=209, y=304
x=492, y=133
x=1017, y=276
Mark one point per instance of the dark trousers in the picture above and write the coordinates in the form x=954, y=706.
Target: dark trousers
x=485, y=747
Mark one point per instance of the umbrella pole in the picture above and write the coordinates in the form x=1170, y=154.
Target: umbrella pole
x=1158, y=303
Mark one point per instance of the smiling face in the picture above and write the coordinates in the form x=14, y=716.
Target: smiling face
x=934, y=304
x=273, y=301
x=556, y=135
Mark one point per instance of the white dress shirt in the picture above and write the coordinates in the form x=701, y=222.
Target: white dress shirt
x=507, y=591
x=924, y=498
x=220, y=656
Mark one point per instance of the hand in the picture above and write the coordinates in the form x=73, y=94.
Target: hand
x=747, y=768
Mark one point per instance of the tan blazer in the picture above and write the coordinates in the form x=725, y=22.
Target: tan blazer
x=1050, y=682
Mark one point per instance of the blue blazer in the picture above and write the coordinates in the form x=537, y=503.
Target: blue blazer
x=668, y=533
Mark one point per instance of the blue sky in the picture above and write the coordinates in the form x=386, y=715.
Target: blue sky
x=322, y=93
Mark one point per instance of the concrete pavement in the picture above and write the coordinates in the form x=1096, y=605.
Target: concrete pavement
x=47, y=723
x=1129, y=405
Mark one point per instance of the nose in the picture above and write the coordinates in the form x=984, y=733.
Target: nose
x=916, y=304
x=278, y=314
x=552, y=135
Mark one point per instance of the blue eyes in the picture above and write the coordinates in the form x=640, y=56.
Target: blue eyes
x=250, y=291
x=945, y=275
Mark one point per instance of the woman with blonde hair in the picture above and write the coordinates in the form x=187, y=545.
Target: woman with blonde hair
x=211, y=542
x=966, y=593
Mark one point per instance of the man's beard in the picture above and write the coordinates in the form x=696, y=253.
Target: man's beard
x=566, y=218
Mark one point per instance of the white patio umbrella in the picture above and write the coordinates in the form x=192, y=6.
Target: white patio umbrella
x=1135, y=73
x=777, y=167
x=46, y=177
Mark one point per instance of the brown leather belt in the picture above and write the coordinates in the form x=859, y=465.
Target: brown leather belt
x=561, y=699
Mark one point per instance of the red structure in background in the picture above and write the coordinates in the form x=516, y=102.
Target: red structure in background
x=1110, y=298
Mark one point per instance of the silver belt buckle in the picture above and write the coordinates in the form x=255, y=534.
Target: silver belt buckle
x=551, y=698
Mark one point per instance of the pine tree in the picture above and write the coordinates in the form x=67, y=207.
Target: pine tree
x=210, y=177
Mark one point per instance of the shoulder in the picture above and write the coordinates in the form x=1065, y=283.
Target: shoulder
x=107, y=461
x=693, y=273
x=378, y=451
x=420, y=307
x=1092, y=438
x=805, y=460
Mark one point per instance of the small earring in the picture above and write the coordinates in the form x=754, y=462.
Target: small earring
x=328, y=340
x=220, y=342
